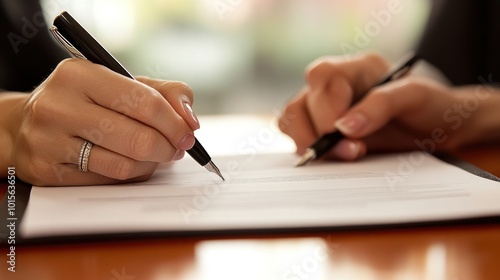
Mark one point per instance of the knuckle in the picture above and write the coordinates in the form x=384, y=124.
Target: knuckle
x=45, y=110
x=37, y=172
x=416, y=87
x=42, y=108
x=37, y=110
x=378, y=66
x=143, y=144
x=66, y=70
x=181, y=87
x=149, y=106
x=179, y=128
x=144, y=101
x=374, y=59
x=318, y=68
x=187, y=90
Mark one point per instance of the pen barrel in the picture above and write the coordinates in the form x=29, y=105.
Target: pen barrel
x=86, y=44
x=326, y=142
x=198, y=153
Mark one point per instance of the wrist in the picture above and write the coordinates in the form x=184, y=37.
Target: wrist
x=11, y=105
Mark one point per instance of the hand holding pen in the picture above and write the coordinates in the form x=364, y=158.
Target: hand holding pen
x=327, y=141
x=79, y=43
x=350, y=96
x=87, y=124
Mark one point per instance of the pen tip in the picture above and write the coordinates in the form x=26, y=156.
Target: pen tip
x=210, y=166
x=303, y=161
x=220, y=175
x=308, y=156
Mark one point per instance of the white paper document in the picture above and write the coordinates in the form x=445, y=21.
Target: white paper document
x=265, y=191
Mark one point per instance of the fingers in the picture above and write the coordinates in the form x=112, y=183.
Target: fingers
x=295, y=121
x=119, y=134
x=57, y=164
x=325, y=105
x=398, y=115
x=133, y=126
x=130, y=98
x=387, y=118
x=116, y=166
x=348, y=150
x=178, y=95
x=361, y=72
x=382, y=105
x=333, y=85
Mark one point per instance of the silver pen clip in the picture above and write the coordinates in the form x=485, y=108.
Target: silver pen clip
x=67, y=45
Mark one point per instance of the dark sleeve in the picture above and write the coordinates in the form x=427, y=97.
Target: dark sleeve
x=28, y=53
x=462, y=39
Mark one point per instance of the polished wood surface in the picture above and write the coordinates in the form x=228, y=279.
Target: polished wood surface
x=441, y=252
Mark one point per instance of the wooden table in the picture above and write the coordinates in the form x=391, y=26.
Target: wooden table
x=445, y=252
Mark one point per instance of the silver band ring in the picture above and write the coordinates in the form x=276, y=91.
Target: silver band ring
x=83, y=159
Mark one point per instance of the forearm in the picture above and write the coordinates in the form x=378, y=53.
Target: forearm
x=10, y=121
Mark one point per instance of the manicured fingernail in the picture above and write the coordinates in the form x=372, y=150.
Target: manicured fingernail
x=187, y=142
x=352, y=123
x=190, y=112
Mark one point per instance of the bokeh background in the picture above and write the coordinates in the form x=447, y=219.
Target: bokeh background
x=243, y=56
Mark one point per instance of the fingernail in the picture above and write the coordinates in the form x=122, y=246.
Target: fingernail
x=190, y=112
x=187, y=142
x=352, y=150
x=351, y=123
x=348, y=150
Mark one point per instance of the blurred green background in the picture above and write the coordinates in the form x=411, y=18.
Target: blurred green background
x=243, y=56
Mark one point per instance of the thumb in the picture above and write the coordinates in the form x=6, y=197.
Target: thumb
x=380, y=106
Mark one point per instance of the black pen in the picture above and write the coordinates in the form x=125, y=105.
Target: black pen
x=71, y=35
x=327, y=141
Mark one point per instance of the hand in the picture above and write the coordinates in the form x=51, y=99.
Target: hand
x=134, y=125
x=410, y=113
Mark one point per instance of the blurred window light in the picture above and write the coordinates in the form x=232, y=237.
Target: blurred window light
x=115, y=20
x=244, y=56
